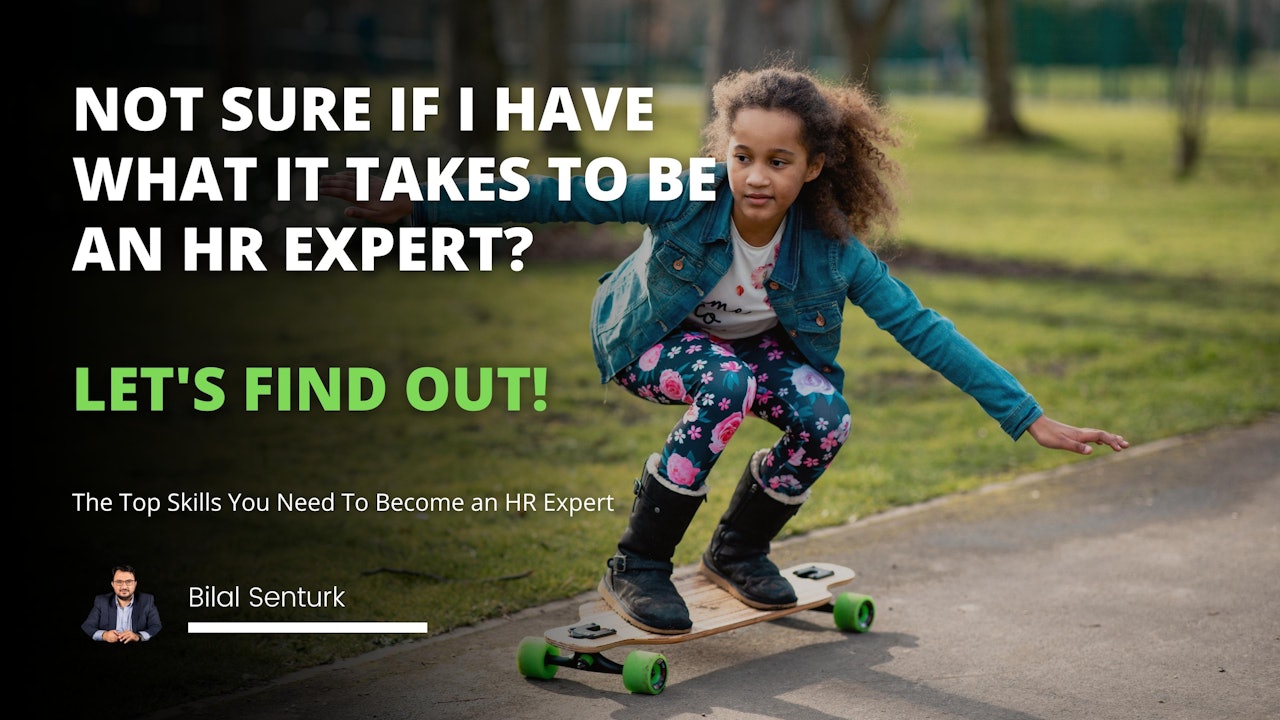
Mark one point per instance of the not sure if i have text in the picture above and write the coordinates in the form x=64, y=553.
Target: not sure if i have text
x=168, y=179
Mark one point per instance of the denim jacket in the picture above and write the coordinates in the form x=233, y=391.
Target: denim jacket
x=687, y=249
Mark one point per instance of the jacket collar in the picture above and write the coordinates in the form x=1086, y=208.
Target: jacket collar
x=722, y=217
x=786, y=270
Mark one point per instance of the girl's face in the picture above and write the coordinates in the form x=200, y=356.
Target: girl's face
x=768, y=166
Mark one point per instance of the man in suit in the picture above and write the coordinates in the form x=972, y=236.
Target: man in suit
x=123, y=615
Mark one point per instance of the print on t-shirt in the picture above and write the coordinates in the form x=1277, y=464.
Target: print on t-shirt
x=738, y=306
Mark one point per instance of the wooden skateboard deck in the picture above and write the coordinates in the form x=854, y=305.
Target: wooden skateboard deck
x=712, y=610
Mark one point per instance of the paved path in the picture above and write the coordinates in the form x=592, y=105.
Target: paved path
x=1146, y=585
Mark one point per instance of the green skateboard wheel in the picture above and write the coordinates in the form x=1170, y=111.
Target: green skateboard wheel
x=644, y=672
x=854, y=612
x=531, y=658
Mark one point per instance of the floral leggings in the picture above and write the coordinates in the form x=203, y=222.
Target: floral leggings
x=722, y=381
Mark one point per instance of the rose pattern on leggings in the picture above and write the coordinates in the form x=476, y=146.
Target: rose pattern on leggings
x=723, y=382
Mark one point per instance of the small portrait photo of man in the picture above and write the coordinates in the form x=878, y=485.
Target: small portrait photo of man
x=123, y=615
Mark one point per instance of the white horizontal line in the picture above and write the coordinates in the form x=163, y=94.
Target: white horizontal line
x=264, y=628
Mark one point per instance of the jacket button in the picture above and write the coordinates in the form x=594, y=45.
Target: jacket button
x=773, y=285
x=793, y=333
x=678, y=264
x=826, y=368
x=821, y=321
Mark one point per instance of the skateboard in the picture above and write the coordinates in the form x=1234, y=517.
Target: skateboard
x=712, y=609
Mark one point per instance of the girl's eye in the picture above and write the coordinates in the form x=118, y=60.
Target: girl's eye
x=776, y=162
x=740, y=158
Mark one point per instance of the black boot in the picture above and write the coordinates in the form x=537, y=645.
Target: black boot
x=638, y=582
x=738, y=557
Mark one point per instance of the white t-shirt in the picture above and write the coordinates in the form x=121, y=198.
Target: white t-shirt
x=738, y=305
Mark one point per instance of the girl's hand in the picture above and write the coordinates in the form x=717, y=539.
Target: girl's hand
x=375, y=209
x=1059, y=436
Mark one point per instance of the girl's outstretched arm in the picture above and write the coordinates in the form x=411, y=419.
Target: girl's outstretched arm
x=1059, y=436
x=343, y=187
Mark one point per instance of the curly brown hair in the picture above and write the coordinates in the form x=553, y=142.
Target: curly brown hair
x=854, y=192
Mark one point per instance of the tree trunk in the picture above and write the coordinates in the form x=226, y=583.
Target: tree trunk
x=468, y=57
x=746, y=34
x=553, y=67
x=997, y=72
x=643, y=14
x=1192, y=87
x=864, y=39
x=232, y=45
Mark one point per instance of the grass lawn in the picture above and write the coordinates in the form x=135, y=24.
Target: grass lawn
x=1120, y=297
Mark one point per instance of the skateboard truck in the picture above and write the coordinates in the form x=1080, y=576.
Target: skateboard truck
x=642, y=672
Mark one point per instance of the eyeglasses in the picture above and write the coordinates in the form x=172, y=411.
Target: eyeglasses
x=124, y=582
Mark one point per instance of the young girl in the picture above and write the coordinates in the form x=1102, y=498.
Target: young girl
x=734, y=307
